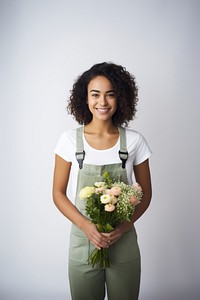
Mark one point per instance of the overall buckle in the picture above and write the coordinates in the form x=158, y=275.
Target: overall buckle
x=80, y=155
x=123, y=155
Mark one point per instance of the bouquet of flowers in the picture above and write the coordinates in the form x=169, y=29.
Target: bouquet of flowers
x=109, y=203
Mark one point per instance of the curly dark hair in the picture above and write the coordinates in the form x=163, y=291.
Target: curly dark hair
x=124, y=86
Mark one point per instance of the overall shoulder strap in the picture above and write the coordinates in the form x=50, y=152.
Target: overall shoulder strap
x=123, y=153
x=80, y=153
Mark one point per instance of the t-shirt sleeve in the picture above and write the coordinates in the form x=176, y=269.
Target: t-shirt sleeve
x=143, y=150
x=62, y=148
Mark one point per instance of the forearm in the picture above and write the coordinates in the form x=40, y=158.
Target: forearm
x=141, y=208
x=68, y=209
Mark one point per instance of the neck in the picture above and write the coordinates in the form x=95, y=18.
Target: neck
x=101, y=127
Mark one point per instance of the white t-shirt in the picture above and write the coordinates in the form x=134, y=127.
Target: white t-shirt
x=137, y=147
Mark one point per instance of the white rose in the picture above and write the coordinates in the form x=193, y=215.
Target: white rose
x=106, y=198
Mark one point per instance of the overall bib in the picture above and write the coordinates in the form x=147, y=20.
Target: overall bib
x=122, y=279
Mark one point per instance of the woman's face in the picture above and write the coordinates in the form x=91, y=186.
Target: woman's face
x=101, y=98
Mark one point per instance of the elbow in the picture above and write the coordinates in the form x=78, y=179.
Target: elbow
x=55, y=197
x=147, y=197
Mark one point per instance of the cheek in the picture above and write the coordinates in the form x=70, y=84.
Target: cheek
x=115, y=104
x=92, y=102
x=90, y=105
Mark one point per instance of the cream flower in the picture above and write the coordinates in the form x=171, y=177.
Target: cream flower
x=86, y=192
x=109, y=207
x=99, y=184
x=106, y=198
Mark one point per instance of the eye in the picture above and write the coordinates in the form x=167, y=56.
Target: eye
x=95, y=95
x=110, y=95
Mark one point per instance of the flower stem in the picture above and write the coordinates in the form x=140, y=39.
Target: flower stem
x=100, y=257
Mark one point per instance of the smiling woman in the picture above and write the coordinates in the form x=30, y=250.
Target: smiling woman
x=103, y=99
x=122, y=83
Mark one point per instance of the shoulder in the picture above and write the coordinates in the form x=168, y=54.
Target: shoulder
x=69, y=134
x=137, y=146
x=133, y=137
x=131, y=131
x=66, y=145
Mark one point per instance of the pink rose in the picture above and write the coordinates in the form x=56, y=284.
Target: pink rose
x=115, y=190
x=108, y=192
x=114, y=200
x=99, y=190
x=109, y=207
x=134, y=200
x=137, y=187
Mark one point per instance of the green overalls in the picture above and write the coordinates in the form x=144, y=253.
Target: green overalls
x=122, y=279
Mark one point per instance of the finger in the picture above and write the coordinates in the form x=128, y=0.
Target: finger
x=102, y=243
x=99, y=239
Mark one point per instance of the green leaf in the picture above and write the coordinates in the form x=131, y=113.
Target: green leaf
x=109, y=227
x=107, y=178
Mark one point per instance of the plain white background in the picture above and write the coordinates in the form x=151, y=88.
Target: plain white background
x=45, y=45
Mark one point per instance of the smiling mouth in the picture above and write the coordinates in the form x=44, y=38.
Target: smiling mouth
x=102, y=110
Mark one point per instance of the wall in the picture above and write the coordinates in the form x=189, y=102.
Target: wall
x=45, y=45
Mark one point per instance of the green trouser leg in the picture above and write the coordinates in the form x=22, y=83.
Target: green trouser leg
x=86, y=283
x=121, y=282
x=122, y=279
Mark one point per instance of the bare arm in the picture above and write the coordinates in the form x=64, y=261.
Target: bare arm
x=143, y=177
x=68, y=209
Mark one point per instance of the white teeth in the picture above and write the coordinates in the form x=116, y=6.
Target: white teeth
x=102, y=109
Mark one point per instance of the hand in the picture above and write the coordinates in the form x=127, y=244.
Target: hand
x=98, y=239
x=113, y=236
x=116, y=234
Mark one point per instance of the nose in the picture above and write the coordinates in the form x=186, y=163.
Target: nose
x=102, y=100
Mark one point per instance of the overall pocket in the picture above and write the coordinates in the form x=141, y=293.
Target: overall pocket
x=126, y=249
x=79, y=248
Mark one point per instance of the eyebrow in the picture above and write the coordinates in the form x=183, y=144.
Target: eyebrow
x=100, y=92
